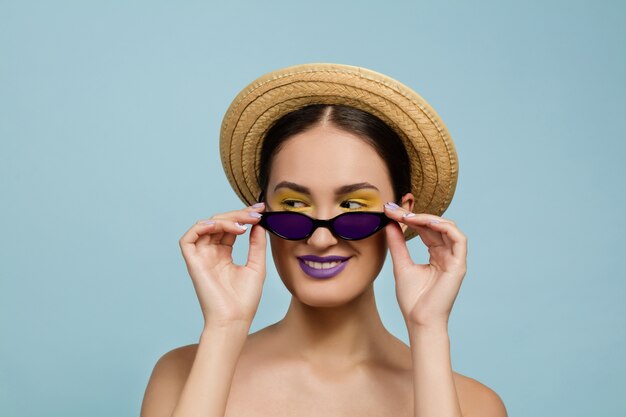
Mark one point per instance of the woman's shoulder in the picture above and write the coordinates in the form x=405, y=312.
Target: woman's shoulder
x=477, y=399
x=180, y=356
x=167, y=380
x=182, y=352
x=174, y=365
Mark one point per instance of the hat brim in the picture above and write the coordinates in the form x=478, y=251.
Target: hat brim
x=431, y=151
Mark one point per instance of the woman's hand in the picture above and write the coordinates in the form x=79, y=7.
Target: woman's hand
x=426, y=292
x=228, y=293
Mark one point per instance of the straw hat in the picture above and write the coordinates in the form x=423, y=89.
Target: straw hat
x=434, y=165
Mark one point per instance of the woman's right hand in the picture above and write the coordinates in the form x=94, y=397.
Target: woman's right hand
x=228, y=293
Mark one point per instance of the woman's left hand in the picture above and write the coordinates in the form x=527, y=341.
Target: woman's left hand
x=426, y=292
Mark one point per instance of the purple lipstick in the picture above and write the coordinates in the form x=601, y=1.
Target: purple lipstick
x=322, y=267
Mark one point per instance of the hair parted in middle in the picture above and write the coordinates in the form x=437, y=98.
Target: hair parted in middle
x=384, y=140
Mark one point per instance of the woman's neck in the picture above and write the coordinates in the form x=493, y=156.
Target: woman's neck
x=338, y=336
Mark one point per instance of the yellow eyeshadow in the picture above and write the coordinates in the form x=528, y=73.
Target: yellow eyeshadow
x=280, y=199
x=363, y=194
x=368, y=199
x=285, y=199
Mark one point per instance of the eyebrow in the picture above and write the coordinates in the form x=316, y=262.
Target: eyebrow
x=345, y=189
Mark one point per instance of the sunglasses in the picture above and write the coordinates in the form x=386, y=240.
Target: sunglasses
x=348, y=226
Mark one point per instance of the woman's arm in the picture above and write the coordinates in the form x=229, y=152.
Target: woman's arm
x=436, y=390
x=229, y=296
x=178, y=389
x=426, y=294
x=207, y=388
x=433, y=380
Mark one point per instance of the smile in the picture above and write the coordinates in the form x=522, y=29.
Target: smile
x=322, y=267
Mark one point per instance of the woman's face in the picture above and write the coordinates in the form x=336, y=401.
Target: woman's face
x=324, y=172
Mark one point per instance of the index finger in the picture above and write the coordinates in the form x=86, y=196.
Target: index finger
x=243, y=215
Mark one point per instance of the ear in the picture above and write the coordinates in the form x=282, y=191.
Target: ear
x=407, y=202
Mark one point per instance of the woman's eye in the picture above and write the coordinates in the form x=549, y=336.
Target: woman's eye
x=293, y=204
x=352, y=205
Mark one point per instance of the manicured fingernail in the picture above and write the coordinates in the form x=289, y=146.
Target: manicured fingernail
x=258, y=205
x=391, y=206
x=434, y=222
x=254, y=214
x=209, y=222
x=241, y=226
x=409, y=214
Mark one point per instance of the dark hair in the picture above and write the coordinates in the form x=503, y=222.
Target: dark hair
x=371, y=129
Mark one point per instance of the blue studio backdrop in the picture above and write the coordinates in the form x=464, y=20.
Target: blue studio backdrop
x=109, y=127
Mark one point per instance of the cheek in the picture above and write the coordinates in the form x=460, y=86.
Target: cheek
x=279, y=246
x=283, y=262
x=372, y=254
x=377, y=249
x=376, y=245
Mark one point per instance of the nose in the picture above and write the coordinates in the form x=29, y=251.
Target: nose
x=321, y=238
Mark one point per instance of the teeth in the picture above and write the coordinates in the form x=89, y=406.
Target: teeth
x=322, y=265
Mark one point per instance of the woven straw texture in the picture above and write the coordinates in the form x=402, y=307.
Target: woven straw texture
x=430, y=148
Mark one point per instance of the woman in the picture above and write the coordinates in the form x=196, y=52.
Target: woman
x=345, y=164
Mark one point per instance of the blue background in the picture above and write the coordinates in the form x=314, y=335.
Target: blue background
x=109, y=124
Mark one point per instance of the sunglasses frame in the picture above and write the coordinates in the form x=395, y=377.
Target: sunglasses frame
x=328, y=224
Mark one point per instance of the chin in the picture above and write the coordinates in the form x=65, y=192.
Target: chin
x=324, y=298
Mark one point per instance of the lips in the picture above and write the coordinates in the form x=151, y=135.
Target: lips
x=322, y=267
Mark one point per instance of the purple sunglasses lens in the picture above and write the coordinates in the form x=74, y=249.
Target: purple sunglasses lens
x=357, y=225
x=290, y=225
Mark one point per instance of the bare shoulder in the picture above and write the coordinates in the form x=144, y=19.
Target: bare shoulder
x=181, y=357
x=477, y=399
x=167, y=381
x=175, y=364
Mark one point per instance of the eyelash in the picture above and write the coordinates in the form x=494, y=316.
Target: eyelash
x=344, y=204
x=361, y=205
x=291, y=203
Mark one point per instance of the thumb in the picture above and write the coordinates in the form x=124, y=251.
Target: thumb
x=256, y=253
x=397, y=247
